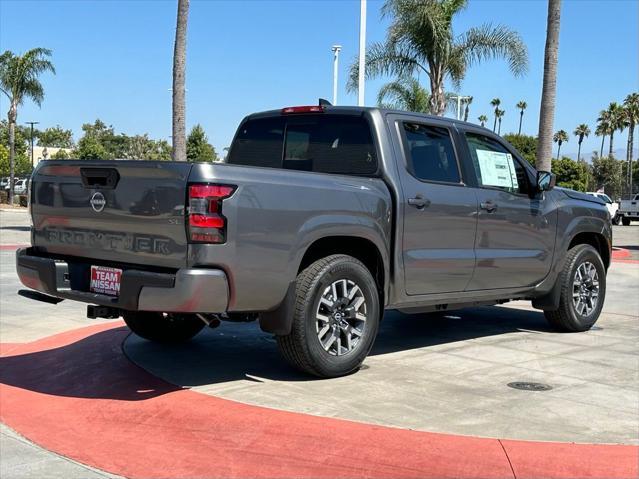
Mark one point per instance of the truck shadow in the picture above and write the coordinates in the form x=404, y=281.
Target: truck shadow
x=95, y=366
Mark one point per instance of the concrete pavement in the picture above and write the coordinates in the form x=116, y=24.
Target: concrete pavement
x=431, y=373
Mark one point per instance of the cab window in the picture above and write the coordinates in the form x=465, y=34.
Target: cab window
x=494, y=166
x=430, y=153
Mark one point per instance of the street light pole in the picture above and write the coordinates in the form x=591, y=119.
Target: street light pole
x=32, y=123
x=362, y=53
x=459, y=99
x=335, y=49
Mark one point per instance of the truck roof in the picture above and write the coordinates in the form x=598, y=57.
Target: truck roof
x=350, y=110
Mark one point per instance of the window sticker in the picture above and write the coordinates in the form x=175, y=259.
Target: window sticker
x=497, y=169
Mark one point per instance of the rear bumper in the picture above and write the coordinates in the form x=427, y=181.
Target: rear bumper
x=189, y=290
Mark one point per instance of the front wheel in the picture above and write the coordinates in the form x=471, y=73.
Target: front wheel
x=336, y=316
x=583, y=290
x=163, y=327
x=625, y=221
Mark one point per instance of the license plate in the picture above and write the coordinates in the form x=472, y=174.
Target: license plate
x=105, y=280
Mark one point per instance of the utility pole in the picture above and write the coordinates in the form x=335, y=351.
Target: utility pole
x=335, y=49
x=362, y=53
x=32, y=123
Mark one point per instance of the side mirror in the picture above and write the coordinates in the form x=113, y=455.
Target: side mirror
x=545, y=181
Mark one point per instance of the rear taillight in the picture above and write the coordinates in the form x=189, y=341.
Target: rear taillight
x=206, y=224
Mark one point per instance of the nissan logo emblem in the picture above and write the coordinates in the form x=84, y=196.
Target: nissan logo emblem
x=98, y=201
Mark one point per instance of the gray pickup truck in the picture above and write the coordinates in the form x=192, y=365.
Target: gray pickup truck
x=322, y=218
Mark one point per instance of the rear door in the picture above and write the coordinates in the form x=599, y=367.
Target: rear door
x=516, y=227
x=439, y=210
x=113, y=211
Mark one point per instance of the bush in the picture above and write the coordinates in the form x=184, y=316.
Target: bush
x=4, y=197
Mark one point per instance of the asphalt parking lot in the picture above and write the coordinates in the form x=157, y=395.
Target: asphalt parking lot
x=436, y=373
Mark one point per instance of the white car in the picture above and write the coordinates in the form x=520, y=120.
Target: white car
x=19, y=187
x=611, y=205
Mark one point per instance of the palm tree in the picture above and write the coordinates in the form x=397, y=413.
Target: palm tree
x=603, y=128
x=482, y=119
x=404, y=94
x=549, y=89
x=19, y=81
x=179, y=88
x=468, y=101
x=560, y=137
x=420, y=39
x=495, y=102
x=631, y=105
x=522, y=105
x=615, y=116
x=499, y=114
x=582, y=131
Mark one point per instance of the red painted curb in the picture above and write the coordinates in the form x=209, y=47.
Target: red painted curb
x=620, y=253
x=11, y=247
x=76, y=394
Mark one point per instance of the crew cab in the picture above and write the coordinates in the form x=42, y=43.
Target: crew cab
x=322, y=218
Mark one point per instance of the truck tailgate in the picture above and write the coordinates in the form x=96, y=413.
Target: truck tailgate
x=119, y=211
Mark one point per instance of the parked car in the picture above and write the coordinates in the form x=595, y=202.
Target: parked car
x=610, y=205
x=20, y=186
x=322, y=218
x=629, y=210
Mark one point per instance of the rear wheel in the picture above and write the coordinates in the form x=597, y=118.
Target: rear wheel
x=163, y=327
x=583, y=290
x=625, y=221
x=336, y=317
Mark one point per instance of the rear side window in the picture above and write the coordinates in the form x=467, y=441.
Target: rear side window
x=259, y=143
x=322, y=143
x=430, y=153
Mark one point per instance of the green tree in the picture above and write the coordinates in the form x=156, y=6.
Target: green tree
x=22, y=165
x=100, y=142
x=404, y=94
x=420, y=39
x=631, y=107
x=499, y=114
x=607, y=173
x=522, y=105
x=582, y=131
x=141, y=147
x=571, y=174
x=90, y=148
x=549, y=88
x=526, y=145
x=179, y=88
x=19, y=80
x=21, y=138
x=495, y=102
x=198, y=147
x=560, y=138
x=482, y=119
x=56, y=137
x=60, y=155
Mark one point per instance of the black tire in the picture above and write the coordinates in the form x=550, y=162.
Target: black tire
x=567, y=318
x=616, y=220
x=302, y=347
x=625, y=221
x=163, y=327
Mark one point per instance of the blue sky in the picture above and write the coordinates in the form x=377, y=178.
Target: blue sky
x=114, y=59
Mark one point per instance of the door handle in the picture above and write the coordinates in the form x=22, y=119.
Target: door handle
x=488, y=206
x=419, y=202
